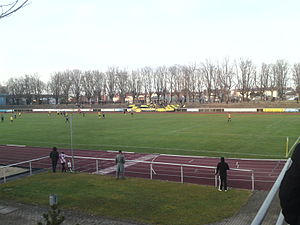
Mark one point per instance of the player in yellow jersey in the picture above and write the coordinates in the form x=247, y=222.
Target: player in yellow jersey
x=228, y=117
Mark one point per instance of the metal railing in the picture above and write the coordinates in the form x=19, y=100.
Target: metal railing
x=4, y=168
x=152, y=171
x=262, y=212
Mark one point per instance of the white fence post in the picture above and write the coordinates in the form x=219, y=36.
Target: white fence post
x=252, y=177
x=30, y=169
x=97, y=166
x=181, y=170
x=151, y=171
x=216, y=178
x=4, y=176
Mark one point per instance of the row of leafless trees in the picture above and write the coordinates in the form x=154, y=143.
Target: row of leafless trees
x=207, y=81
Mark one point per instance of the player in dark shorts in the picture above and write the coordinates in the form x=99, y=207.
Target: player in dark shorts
x=229, y=117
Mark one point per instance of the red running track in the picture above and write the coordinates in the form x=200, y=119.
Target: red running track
x=265, y=171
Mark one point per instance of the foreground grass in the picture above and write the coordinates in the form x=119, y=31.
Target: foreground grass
x=140, y=200
x=247, y=136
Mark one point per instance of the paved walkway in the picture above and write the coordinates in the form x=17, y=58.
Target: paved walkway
x=12, y=213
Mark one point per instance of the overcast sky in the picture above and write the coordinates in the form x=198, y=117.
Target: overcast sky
x=54, y=35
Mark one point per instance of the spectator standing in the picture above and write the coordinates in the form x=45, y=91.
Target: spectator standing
x=120, y=161
x=69, y=166
x=62, y=159
x=54, y=155
x=289, y=190
x=222, y=168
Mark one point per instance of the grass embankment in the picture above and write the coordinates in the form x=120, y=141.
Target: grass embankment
x=133, y=199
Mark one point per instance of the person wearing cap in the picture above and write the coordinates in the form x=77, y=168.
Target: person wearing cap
x=222, y=168
x=120, y=161
x=54, y=155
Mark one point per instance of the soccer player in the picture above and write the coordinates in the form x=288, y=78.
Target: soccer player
x=99, y=115
x=2, y=118
x=229, y=117
x=11, y=119
x=67, y=119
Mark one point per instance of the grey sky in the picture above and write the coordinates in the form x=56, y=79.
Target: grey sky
x=54, y=35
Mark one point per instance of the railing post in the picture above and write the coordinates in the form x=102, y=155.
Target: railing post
x=151, y=171
x=181, y=170
x=4, y=176
x=97, y=166
x=30, y=168
x=252, y=178
x=216, y=178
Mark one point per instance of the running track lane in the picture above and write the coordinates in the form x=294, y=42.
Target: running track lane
x=265, y=171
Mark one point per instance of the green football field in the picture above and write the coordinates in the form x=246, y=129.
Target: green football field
x=247, y=136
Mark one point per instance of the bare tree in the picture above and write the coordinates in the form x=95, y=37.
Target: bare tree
x=147, y=80
x=27, y=82
x=296, y=78
x=99, y=81
x=38, y=87
x=66, y=83
x=134, y=84
x=263, y=81
x=245, y=77
x=8, y=7
x=177, y=71
x=15, y=90
x=199, y=85
x=158, y=82
x=209, y=75
x=76, y=83
x=122, y=84
x=171, y=80
x=281, y=70
x=111, y=82
x=55, y=85
x=88, y=84
x=226, y=79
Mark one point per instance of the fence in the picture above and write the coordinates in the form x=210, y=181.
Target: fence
x=3, y=169
x=147, y=169
x=165, y=171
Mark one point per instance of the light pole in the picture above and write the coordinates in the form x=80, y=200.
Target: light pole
x=71, y=139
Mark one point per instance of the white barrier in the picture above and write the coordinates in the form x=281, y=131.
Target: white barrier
x=62, y=110
x=152, y=172
x=240, y=110
x=192, y=110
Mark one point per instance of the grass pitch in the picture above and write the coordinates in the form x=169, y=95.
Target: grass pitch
x=247, y=136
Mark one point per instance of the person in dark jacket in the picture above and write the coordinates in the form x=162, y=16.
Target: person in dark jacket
x=120, y=161
x=289, y=190
x=54, y=155
x=222, y=168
